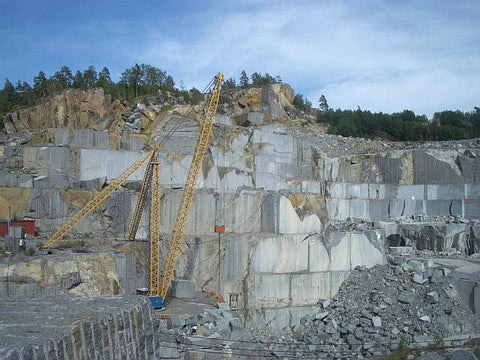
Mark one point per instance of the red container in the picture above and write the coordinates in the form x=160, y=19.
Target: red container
x=3, y=228
x=219, y=228
x=29, y=225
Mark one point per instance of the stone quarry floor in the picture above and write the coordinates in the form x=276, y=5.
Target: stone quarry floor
x=184, y=308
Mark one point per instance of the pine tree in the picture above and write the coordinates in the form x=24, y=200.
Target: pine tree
x=257, y=79
x=90, y=76
x=169, y=83
x=78, y=81
x=40, y=84
x=229, y=84
x=323, y=104
x=243, y=79
x=62, y=79
x=104, y=79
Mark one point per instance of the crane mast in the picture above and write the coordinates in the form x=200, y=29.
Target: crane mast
x=155, y=194
x=189, y=191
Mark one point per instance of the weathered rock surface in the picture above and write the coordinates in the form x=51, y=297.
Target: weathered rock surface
x=109, y=271
x=75, y=109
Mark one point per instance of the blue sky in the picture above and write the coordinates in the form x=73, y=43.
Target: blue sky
x=379, y=55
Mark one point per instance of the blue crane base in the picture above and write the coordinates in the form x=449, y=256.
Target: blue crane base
x=157, y=301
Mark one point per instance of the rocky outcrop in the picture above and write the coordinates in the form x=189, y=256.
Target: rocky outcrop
x=93, y=109
x=118, y=271
x=257, y=106
x=74, y=108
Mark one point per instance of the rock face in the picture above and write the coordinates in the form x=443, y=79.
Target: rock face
x=258, y=106
x=115, y=272
x=93, y=109
x=74, y=108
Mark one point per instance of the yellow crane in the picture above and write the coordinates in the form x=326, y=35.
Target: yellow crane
x=158, y=287
x=189, y=191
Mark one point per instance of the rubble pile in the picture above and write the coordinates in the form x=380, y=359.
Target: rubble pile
x=407, y=303
x=377, y=309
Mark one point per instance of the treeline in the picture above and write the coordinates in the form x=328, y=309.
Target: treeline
x=403, y=126
x=139, y=80
x=254, y=80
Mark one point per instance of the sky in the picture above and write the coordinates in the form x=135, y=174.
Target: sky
x=378, y=55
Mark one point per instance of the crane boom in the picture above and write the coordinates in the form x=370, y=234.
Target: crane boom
x=141, y=200
x=189, y=191
x=97, y=200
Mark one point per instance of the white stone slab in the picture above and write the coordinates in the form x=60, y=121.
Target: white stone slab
x=363, y=252
x=310, y=187
x=336, y=280
x=411, y=192
x=319, y=258
x=280, y=254
x=338, y=209
x=336, y=259
x=307, y=289
x=359, y=209
x=241, y=211
x=279, y=216
x=445, y=192
x=95, y=164
x=270, y=182
x=267, y=291
x=236, y=257
x=201, y=218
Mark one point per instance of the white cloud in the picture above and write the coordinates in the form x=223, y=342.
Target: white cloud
x=424, y=92
x=381, y=56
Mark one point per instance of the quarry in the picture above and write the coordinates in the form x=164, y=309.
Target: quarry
x=313, y=245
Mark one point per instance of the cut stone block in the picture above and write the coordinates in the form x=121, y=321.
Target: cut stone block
x=307, y=289
x=184, y=289
x=280, y=254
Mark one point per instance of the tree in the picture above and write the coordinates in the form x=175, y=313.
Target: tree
x=78, y=81
x=229, y=84
x=301, y=104
x=195, y=96
x=8, y=98
x=453, y=118
x=153, y=76
x=104, y=78
x=40, y=84
x=257, y=79
x=63, y=78
x=169, y=83
x=243, y=79
x=323, y=104
x=24, y=91
x=9, y=90
x=268, y=79
x=90, y=76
